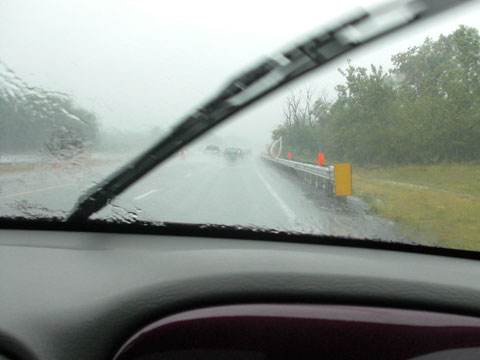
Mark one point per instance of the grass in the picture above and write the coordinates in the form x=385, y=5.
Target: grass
x=11, y=169
x=434, y=204
x=440, y=204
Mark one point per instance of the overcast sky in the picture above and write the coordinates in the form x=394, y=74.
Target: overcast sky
x=141, y=63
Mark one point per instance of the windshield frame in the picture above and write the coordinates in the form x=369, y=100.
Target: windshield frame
x=173, y=229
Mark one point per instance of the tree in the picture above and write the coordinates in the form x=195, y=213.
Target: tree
x=439, y=80
x=35, y=119
x=299, y=109
x=423, y=110
x=361, y=119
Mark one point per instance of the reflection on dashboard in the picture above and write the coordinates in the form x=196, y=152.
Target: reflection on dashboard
x=281, y=331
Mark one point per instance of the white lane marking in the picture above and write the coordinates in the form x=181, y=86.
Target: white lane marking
x=34, y=191
x=145, y=195
x=289, y=212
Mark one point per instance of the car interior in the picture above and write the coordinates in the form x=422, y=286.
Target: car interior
x=83, y=288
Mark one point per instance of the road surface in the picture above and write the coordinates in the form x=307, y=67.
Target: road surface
x=200, y=189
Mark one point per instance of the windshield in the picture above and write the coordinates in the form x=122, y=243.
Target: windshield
x=382, y=143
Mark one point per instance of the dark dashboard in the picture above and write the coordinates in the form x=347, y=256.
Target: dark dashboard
x=79, y=295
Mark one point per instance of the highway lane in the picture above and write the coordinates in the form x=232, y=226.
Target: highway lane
x=210, y=190
x=47, y=190
x=200, y=189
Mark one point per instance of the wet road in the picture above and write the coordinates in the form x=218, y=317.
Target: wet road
x=199, y=189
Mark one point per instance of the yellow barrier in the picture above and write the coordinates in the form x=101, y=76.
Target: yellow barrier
x=343, y=179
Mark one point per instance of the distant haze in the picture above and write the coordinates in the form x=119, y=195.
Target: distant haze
x=143, y=64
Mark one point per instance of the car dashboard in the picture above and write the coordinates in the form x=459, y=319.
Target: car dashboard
x=91, y=295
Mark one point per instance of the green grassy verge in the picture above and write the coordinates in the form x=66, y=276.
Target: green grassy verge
x=440, y=203
x=10, y=169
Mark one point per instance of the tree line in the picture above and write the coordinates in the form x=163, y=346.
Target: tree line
x=424, y=110
x=33, y=119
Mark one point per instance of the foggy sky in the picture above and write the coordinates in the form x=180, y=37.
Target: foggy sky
x=145, y=63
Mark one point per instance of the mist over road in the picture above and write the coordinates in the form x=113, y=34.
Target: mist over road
x=197, y=189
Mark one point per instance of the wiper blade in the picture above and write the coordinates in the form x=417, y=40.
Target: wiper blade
x=271, y=74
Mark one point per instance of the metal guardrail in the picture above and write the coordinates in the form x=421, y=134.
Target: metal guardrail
x=325, y=172
x=334, y=179
x=319, y=176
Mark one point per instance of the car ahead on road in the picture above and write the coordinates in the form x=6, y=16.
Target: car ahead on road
x=233, y=154
x=212, y=150
x=104, y=280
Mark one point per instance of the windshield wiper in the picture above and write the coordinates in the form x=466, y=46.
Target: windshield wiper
x=360, y=28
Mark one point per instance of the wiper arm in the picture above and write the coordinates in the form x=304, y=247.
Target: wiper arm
x=261, y=80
